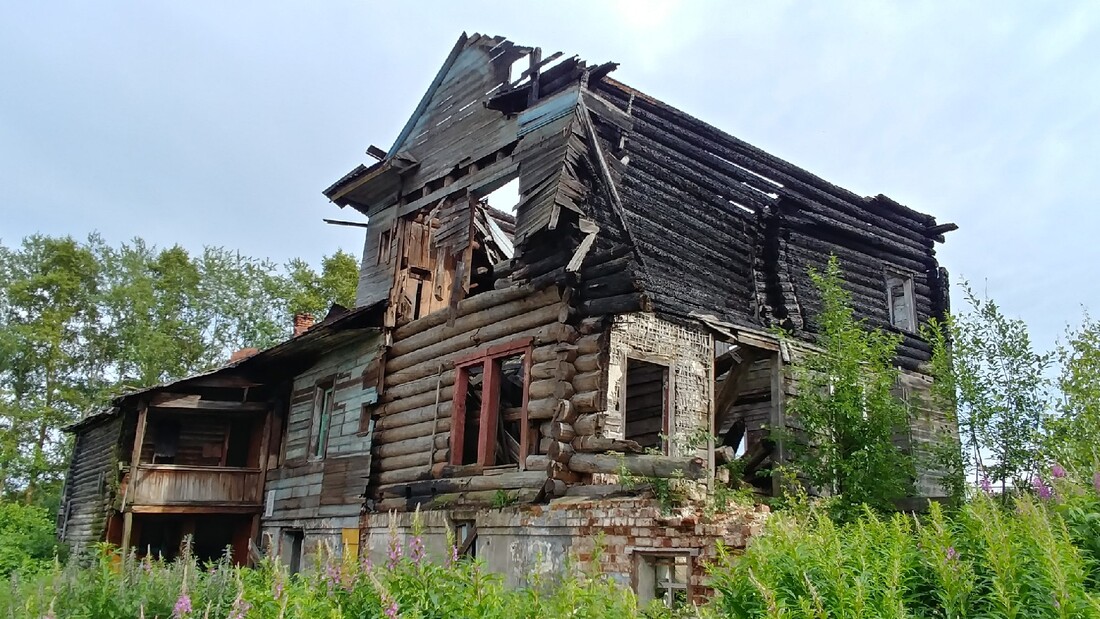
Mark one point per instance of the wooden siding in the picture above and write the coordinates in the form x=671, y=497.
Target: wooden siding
x=89, y=485
x=183, y=486
x=309, y=493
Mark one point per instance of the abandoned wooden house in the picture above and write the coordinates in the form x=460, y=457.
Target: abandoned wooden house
x=617, y=319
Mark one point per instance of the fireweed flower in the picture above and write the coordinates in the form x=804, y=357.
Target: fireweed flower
x=1096, y=481
x=1041, y=488
x=240, y=608
x=182, y=607
x=1057, y=471
x=416, y=549
x=391, y=609
x=952, y=554
x=987, y=487
x=395, y=554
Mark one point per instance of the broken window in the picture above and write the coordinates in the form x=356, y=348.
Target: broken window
x=322, y=417
x=664, y=577
x=489, y=424
x=645, y=403
x=383, y=247
x=899, y=295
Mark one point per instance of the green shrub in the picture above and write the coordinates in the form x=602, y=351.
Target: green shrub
x=27, y=541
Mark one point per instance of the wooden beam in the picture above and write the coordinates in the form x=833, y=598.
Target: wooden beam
x=195, y=402
x=731, y=386
x=216, y=508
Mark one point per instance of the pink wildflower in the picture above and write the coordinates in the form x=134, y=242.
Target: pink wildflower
x=416, y=549
x=952, y=554
x=987, y=487
x=1057, y=471
x=391, y=611
x=395, y=554
x=1096, y=481
x=1041, y=488
x=182, y=607
x=240, y=608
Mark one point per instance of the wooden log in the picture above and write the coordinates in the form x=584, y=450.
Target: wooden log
x=589, y=381
x=560, y=452
x=405, y=475
x=640, y=465
x=590, y=344
x=542, y=389
x=395, y=463
x=724, y=454
x=561, y=370
x=562, y=432
x=589, y=425
x=564, y=390
x=414, y=416
x=556, y=333
x=554, y=351
x=536, y=462
x=588, y=363
x=471, y=305
x=591, y=325
x=589, y=402
x=498, y=328
x=565, y=412
x=554, y=488
x=408, y=389
x=542, y=409
x=599, y=444
x=445, y=393
x=598, y=491
x=619, y=304
x=595, y=270
x=420, y=445
x=393, y=435
x=504, y=481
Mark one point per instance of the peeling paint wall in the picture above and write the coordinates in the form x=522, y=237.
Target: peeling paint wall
x=690, y=354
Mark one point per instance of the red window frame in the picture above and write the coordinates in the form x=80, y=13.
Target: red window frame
x=489, y=360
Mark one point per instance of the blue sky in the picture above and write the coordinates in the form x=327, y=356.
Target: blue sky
x=219, y=123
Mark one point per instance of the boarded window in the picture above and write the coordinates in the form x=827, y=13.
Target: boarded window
x=322, y=418
x=663, y=577
x=292, y=550
x=645, y=402
x=899, y=294
x=489, y=424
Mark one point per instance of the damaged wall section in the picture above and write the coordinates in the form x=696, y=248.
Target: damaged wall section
x=689, y=354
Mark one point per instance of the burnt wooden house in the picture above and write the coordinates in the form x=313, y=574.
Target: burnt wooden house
x=617, y=318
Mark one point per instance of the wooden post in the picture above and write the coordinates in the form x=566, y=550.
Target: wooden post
x=458, y=415
x=711, y=431
x=778, y=415
x=135, y=459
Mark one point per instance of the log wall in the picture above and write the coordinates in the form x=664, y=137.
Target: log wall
x=411, y=448
x=90, y=484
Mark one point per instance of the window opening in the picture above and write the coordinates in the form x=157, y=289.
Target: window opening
x=240, y=442
x=383, y=247
x=322, y=416
x=466, y=538
x=292, y=550
x=166, y=442
x=489, y=424
x=645, y=409
x=664, y=577
x=899, y=294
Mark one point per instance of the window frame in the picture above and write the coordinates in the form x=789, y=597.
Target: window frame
x=645, y=584
x=907, y=293
x=669, y=388
x=488, y=359
x=321, y=426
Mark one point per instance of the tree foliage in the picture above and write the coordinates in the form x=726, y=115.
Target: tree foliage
x=1000, y=389
x=1073, y=433
x=81, y=321
x=847, y=408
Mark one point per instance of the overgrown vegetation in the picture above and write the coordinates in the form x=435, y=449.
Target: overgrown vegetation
x=846, y=408
x=1036, y=556
x=80, y=321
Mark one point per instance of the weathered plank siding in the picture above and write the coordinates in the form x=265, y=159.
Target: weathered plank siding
x=90, y=484
x=323, y=496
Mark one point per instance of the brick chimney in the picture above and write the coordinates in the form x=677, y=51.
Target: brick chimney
x=243, y=354
x=302, y=323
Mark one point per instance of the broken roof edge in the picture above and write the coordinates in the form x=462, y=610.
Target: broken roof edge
x=460, y=45
x=352, y=320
